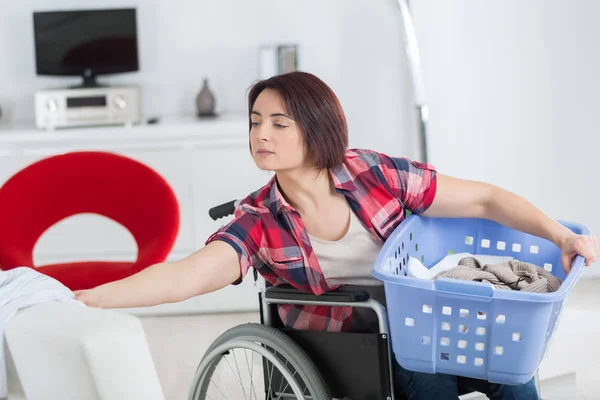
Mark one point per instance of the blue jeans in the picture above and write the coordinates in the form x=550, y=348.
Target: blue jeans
x=421, y=386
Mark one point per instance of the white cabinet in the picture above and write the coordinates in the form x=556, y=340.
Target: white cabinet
x=222, y=174
x=174, y=164
x=205, y=162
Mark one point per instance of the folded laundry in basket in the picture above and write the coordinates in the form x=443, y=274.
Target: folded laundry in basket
x=20, y=288
x=416, y=269
x=510, y=275
x=452, y=260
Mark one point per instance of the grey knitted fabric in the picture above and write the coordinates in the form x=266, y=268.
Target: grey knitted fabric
x=511, y=275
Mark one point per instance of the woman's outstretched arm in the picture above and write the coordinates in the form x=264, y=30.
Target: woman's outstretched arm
x=457, y=198
x=211, y=268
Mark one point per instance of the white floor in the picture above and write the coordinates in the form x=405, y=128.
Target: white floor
x=178, y=342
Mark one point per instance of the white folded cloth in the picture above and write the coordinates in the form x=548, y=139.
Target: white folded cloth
x=20, y=288
x=416, y=269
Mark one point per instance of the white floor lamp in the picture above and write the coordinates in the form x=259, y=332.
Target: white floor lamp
x=414, y=68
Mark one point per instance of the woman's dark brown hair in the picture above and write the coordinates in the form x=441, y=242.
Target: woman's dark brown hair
x=316, y=110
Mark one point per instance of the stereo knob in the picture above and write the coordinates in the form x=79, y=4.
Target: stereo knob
x=52, y=104
x=120, y=101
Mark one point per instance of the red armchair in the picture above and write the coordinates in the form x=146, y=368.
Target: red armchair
x=111, y=185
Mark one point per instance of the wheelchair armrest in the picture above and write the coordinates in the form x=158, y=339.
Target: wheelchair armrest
x=344, y=294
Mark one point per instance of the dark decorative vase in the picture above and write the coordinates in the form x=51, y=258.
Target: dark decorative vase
x=205, y=102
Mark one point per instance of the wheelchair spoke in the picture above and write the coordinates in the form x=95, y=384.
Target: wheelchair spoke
x=281, y=380
x=224, y=395
x=223, y=384
x=251, y=368
x=282, y=391
x=238, y=377
x=271, y=379
x=281, y=394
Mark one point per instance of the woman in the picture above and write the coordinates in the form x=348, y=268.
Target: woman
x=322, y=219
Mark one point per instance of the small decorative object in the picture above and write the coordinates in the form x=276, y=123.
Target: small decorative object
x=205, y=101
x=277, y=59
x=288, y=61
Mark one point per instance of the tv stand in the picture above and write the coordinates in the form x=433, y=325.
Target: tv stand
x=89, y=81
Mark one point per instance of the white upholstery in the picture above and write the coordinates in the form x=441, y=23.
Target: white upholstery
x=64, y=352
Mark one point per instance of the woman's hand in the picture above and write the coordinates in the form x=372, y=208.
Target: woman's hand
x=90, y=297
x=573, y=245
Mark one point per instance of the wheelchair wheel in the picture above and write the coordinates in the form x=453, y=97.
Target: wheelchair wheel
x=254, y=361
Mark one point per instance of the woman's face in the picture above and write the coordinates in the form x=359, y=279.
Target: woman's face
x=275, y=139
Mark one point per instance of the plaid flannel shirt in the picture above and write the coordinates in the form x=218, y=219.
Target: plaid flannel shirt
x=269, y=235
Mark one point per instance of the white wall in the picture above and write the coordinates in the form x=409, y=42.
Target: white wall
x=513, y=92
x=355, y=46
x=511, y=85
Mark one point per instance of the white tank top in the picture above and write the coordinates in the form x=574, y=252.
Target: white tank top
x=348, y=261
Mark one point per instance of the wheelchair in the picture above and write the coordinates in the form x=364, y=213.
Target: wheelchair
x=299, y=364
x=271, y=361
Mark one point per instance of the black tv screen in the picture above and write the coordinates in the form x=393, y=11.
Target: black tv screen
x=85, y=42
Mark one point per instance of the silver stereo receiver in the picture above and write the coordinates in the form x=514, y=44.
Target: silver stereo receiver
x=62, y=108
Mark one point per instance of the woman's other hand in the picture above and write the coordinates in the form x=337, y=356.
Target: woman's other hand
x=573, y=245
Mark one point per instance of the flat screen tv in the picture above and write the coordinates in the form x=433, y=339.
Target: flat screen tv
x=86, y=43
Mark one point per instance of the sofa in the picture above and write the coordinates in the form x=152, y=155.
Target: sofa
x=58, y=351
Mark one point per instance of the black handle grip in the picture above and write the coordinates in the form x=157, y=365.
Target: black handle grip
x=222, y=210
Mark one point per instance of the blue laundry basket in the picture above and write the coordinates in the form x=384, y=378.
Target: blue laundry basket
x=469, y=328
